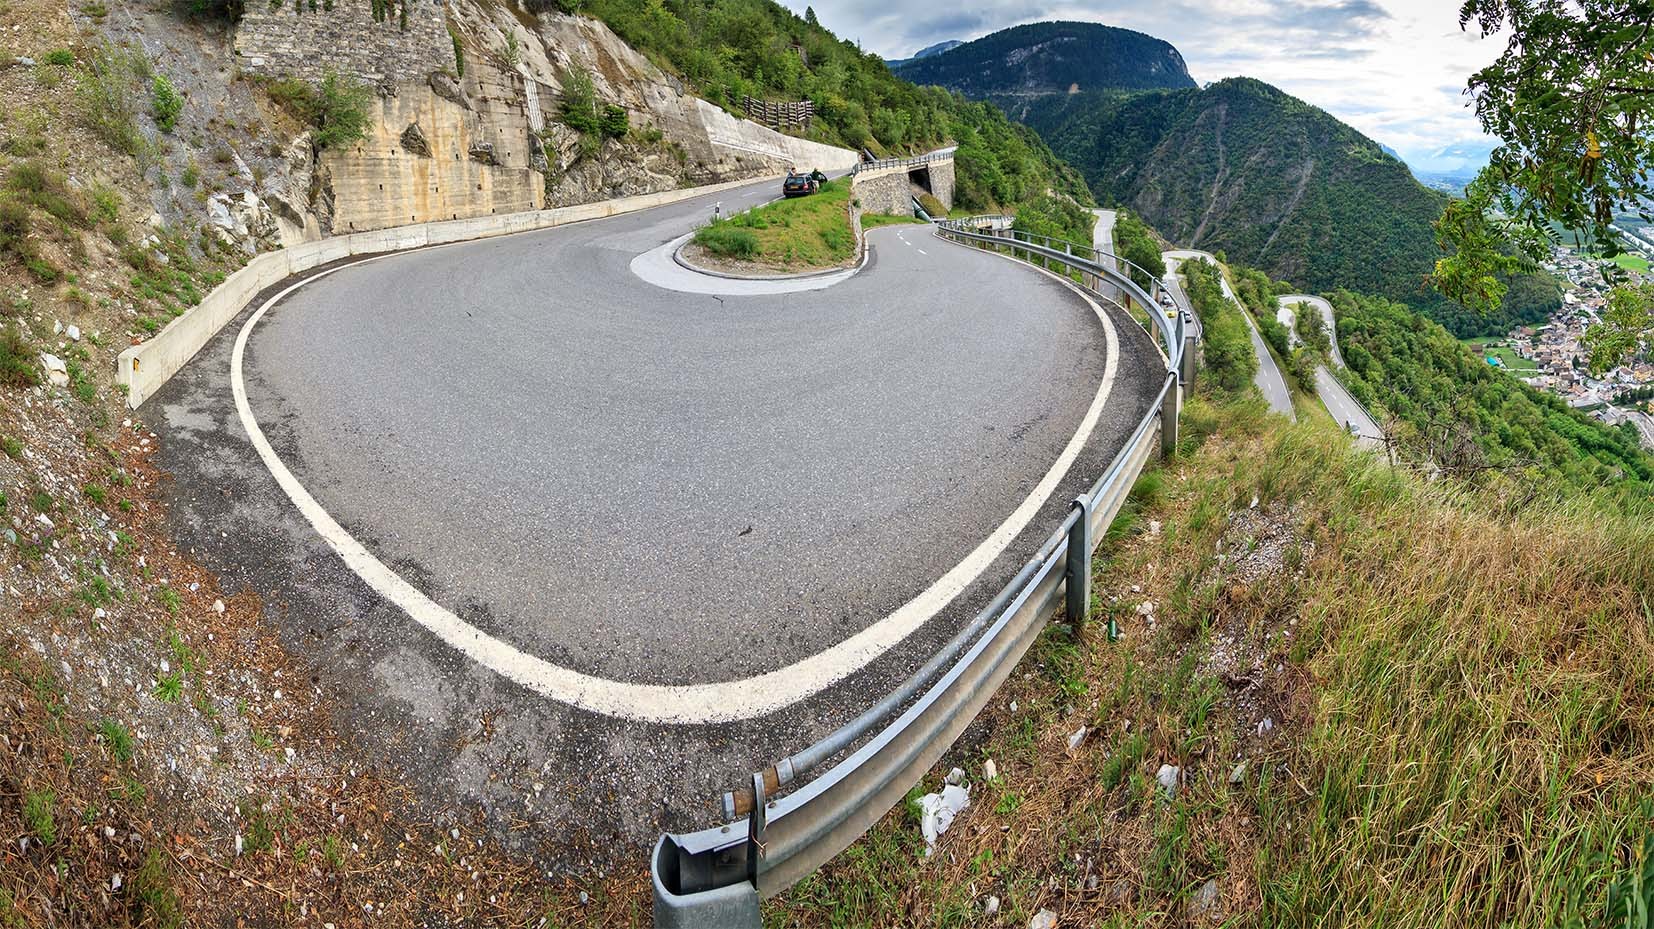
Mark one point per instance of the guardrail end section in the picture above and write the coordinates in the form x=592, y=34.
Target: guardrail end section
x=734, y=906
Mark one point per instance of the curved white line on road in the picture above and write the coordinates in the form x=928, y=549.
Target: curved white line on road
x=725, y=701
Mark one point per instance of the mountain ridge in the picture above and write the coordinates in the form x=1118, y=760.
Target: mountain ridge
x=1052, y=57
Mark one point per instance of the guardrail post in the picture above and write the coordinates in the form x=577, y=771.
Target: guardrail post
x=1187, y=375
x=1168, y=421
x=735, y=905
x=1078, y=596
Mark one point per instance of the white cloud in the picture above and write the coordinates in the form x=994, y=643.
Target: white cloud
x=1393, y=69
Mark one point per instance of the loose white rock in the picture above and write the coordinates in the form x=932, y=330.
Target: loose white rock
x=1075, y=738
x=989, y=770
x=1168, y=776
x=990, y=906
x=1044, y=919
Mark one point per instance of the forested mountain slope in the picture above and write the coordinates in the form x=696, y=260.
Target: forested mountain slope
x=1247, y=169
x=1052, y=58
x=729, y=49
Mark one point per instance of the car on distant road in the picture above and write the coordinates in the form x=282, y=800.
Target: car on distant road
x=798, y=185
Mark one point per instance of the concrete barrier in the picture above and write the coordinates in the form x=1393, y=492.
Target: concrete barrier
x=144, y=368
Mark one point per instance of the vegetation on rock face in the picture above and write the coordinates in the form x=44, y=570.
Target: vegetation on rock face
x=165, y=103
x=728, y=49
x=1086, y=56
x=1273, y=182
x=1451, y=408
x=337, y=108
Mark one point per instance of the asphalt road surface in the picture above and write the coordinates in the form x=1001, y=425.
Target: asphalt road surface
x=1334, y=396
x=641, y=486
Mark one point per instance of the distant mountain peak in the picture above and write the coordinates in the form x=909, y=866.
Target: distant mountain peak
x=1052, y=58
x=937, y=49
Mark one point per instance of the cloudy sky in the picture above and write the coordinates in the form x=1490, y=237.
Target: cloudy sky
x=1393, y=69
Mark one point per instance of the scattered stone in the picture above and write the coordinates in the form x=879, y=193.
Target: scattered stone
x=73, y=332
x=1168, y=776
x=990, y=906
x=1206, y=898
x=1238, y=774
x=1044, y=919
x=989, y=770
x=218, y=607
x=56, y=370
x=1075, y=738
x=1266, y=725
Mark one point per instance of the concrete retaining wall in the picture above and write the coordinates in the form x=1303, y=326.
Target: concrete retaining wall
x=145, y=368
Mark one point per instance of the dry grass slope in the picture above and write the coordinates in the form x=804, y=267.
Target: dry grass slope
x=1390, y=703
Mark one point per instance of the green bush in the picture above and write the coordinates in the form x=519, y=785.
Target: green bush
x=578, y=107
x=614, y=123
x=725, y=238
x=933, y=206
x=16, y=362
x=341, y=111
x=338, y=109
x=108, y=90
x=165, y=103
x=59, y=57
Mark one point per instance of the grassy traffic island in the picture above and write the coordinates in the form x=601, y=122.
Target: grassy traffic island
x=796, y=235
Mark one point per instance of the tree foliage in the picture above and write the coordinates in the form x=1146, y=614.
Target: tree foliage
x=1570, y=97
x=1226, y=353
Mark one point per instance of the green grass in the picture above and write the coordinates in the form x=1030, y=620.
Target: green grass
x=795, y=234
x=1631, y=262
x=1463, y=715
x=875, y=220
x=1511, y=361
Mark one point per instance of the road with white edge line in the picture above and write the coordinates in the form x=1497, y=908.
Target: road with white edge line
x=1345, y=409
x=631, y=520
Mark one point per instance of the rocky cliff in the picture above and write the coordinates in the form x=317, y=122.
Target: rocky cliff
x=463, y=118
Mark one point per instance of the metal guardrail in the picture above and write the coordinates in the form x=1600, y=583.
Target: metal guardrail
x=716, y=877
x=917, y=161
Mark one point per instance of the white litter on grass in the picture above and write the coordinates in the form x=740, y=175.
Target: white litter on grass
x=989, y=770
x=936, y=812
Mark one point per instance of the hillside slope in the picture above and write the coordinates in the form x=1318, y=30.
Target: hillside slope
x=1058, y=57
x=1244, y=168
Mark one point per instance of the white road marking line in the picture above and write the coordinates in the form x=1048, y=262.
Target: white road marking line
x=724, y=701
x=923, y=252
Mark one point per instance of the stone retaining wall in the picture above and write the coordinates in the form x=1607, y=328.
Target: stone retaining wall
x=291, y=38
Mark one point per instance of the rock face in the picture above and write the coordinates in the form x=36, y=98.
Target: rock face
x=451, y=142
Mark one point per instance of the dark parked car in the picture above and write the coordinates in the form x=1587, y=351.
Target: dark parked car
x=798, y=185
